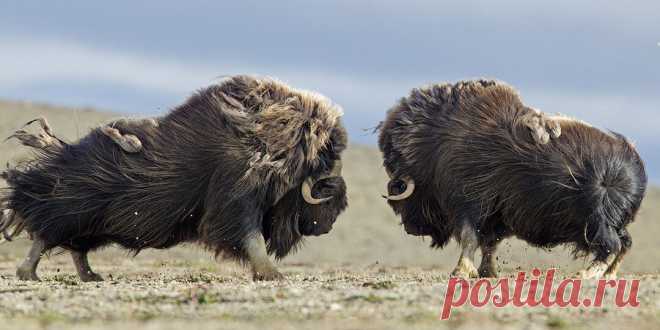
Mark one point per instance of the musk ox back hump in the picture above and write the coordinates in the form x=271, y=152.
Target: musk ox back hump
x=410, y=134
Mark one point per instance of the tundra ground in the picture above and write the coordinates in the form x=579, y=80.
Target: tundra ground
x=185, y=288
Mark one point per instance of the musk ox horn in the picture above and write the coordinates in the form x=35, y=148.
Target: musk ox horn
x=410, y=188
x=306, y=189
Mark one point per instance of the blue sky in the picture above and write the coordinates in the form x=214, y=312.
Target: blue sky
x=596, y=60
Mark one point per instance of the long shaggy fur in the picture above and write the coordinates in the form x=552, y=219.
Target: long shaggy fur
x=227, y=162
x=474, y=163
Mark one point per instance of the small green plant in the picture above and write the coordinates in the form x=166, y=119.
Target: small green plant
x=380, y=285
x=556, y=322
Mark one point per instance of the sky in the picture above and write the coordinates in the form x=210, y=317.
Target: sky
x=595, y=60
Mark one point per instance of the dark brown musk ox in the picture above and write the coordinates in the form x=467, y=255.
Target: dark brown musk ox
x=246, y=167
x=470, y=161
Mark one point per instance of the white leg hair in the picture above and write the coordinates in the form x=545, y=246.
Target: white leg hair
x=468, y=241
x=262, y=267
x=542, y=126
x=597, y=268
x=611, y=272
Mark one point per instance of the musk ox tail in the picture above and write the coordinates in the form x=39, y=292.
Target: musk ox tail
x=614, y=189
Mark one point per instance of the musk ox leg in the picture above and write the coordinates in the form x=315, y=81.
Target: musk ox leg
x=626, y=243
x=262, y=268
x=613, y=269
x=467, y=239
x=597, y=268
x=27, y=271
x=84, y=270
x=128, y=142
x=542, y=127
x=487, y=268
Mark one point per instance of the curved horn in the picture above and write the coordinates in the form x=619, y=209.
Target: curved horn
x=307, y=193
x=410, y=188
x=306, y=189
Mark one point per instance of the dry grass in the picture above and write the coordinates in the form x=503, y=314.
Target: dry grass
x=367, y=273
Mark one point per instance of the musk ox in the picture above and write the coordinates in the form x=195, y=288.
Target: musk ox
x=464, y=165
x=246, y=167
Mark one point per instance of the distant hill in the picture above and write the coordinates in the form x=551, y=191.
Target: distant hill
x=368, y=233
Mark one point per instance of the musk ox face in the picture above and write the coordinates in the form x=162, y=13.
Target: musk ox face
x=326, y=198
x=412, y=226
x=293, y=217
x=318, y=219
x=312, y=208
x=416, y=211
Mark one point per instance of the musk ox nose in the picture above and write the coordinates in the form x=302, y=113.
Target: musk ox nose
x=322, y=230
x=316, y=228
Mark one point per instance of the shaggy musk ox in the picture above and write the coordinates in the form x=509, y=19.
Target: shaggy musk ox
x=472, y=162
x=246, y=168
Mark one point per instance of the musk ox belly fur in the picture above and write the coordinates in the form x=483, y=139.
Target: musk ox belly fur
x=477, y=175
x=228, y=168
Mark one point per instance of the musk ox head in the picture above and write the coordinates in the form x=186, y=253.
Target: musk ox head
x=408, y=139
x=297, y=157
x=312, y=209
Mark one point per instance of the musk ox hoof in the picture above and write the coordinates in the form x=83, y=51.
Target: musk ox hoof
x=542, y=127
x=588, y=274
x=91, y=277
x=610, y=276
x=553, y=126
x=269, y=275
x=128, y=142
x=465, y=269
x=487, y=272
x=463, y=273
x=27, y=275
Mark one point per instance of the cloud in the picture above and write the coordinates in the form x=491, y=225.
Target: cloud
x=28, y=61
x=67, y=72
x=25, y=61
x=580, y=43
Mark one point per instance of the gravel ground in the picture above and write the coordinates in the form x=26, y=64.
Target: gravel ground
x=154, y=293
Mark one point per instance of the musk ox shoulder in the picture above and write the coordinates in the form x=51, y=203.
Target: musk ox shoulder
x=246, y=167
x=470, y=161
